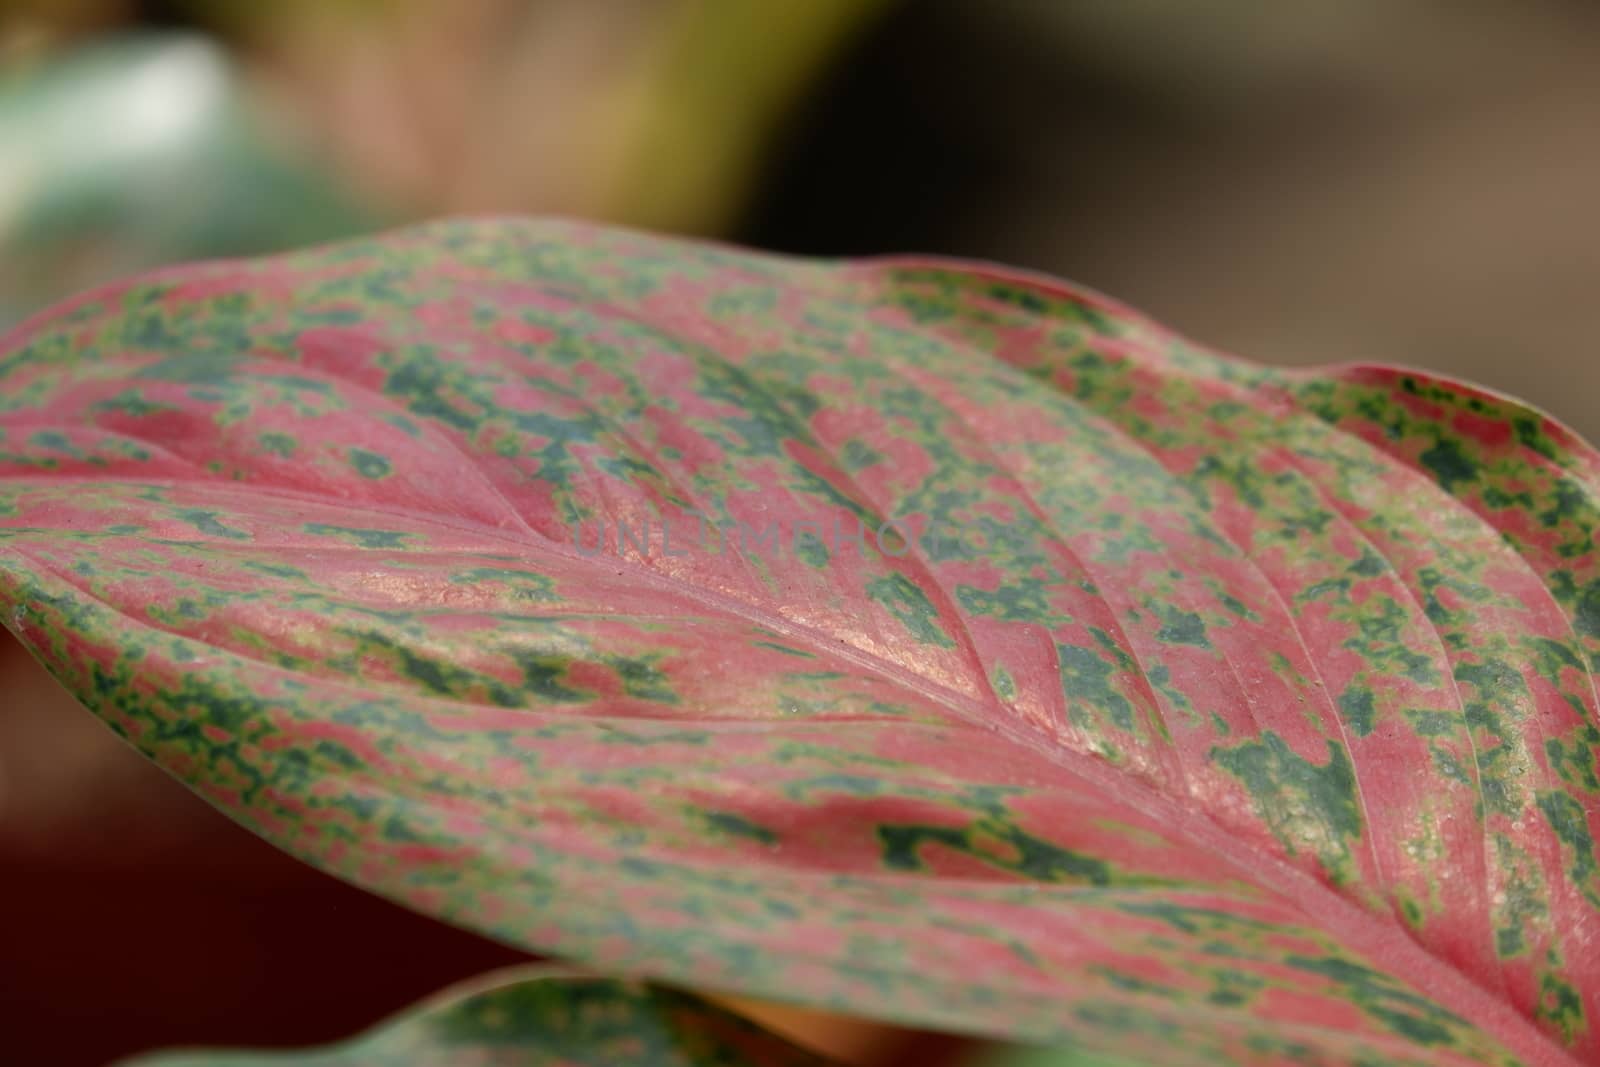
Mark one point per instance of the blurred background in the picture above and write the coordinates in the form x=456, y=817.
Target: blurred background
x=1406, y=181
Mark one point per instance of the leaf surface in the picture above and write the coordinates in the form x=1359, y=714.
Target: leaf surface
x=536, y=1017
x=1209, y=712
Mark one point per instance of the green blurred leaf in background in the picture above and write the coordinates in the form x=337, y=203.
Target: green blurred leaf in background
x=135, y=151
x=538, y=1017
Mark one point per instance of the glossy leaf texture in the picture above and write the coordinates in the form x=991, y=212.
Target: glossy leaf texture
x=536, y=1017
x=1210, y=713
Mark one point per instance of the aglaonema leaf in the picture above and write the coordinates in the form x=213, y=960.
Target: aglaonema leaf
x=537, y=1017
x=1188, y=711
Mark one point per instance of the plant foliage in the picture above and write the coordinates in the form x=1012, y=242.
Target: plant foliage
x=1188, y=710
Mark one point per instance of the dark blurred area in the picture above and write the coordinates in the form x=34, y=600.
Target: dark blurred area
x=1404, y=181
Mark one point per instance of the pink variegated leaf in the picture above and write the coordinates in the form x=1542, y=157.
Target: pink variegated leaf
x=922, y=640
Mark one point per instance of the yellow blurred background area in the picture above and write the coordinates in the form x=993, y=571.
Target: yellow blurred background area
x=1400, y=181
